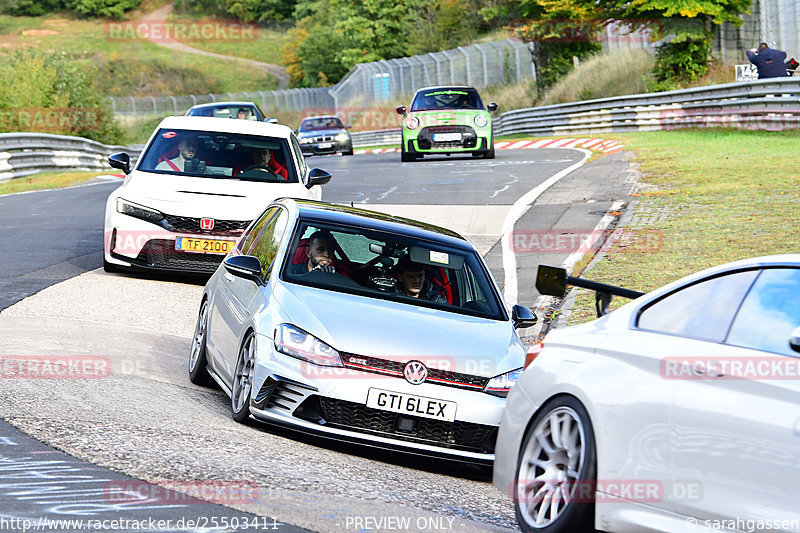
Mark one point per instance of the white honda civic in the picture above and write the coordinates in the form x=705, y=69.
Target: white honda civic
x=197, y=185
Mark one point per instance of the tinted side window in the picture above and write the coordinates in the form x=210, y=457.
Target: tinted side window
x=246, y=243
x=266, y=244
x=701, y=311
x=769, y=313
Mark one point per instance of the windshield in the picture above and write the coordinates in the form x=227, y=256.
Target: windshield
x=391, y=266
x=321, y=123
x=219, y=155
x=442, y=98
x=225, y=111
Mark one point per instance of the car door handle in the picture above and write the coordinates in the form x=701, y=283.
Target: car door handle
x=228, y=277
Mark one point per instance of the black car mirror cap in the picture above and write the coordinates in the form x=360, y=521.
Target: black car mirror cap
x=246, y=267
x=794, y=340
x=522, y=317
x=317, y=176
x=492, y=107
x=120, y=160
x=401, y=110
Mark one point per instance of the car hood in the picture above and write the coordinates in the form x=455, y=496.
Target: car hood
x=228, y=199
x=316, y=133
x=447, y=116
x=380, y=328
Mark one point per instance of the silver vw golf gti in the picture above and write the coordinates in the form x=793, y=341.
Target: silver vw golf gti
x=363, y=327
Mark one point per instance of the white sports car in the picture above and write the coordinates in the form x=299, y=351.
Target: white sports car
x=677, y=412
x=197, y=185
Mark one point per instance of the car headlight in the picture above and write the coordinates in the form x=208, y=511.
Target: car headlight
x=412, y=123
x=481, y=120
x=139, y=211
x=297, y=343
x=306, y=140
x=342, y=138
x=500, y=385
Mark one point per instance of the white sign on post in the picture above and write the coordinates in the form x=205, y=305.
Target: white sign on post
x=746, y=72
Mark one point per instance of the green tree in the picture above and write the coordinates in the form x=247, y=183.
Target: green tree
x=685, y=26
x=55, y=95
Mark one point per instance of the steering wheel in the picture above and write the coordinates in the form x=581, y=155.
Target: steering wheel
x=257, y=167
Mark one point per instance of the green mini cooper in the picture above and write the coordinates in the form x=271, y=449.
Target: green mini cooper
x=447, y=120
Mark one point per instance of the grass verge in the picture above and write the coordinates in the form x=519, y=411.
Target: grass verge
x=46, y=180
x=710, y=196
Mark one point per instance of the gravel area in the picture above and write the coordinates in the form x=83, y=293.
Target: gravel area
x=148, y=421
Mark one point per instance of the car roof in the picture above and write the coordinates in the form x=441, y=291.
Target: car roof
x=445, y=87
x=248, y=127
x=223, y=104
x=785, y=260
x=356, y=216
x=320, y=116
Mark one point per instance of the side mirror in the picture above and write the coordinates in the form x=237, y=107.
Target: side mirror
x=348, y=126
x=121, y=161
x=522, y=317
x=271, y=120
x=401, y=110
x=492, y=107
x=317, y=176
x=245, y=267
x=794, y=340
x=295, y=132
x=551, y=281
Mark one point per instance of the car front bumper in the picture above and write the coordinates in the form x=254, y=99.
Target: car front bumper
x=332, y=402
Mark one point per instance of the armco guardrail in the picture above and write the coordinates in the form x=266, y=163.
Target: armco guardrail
x=376, y=138
x=770, y=104
x=23, y=154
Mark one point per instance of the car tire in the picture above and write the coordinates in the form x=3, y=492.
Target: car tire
x=349, y=152
x=489, y=154
x=198, y=373
x=109, y=267
x=572, y=458
x=243, y=379
x=405, y=157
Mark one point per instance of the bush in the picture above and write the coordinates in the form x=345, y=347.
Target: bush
x=603, y=76
x=682, y=61
x=56, y=95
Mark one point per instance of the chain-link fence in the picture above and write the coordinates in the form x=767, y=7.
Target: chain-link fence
x=153, y=106
x=479, y=65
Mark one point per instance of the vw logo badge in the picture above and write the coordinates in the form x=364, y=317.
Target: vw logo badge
x=415, y=372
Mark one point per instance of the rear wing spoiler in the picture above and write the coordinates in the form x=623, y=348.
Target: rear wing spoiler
x=553, y=281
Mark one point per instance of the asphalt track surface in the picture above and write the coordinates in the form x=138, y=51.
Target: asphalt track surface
x=146, y=421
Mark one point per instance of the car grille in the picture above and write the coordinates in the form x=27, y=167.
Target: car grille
x=192, y=225
x=323, y=138
x=161, y=253
x=468, y=137
x=456, y=435
x=391, y=367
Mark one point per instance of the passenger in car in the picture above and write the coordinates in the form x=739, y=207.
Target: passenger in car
x=411, y=282
x=264, y=159
x=320, y=253
x=187, y=149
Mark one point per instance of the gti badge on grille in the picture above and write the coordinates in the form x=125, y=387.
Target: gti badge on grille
x=207, y=223
x=415, y=372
